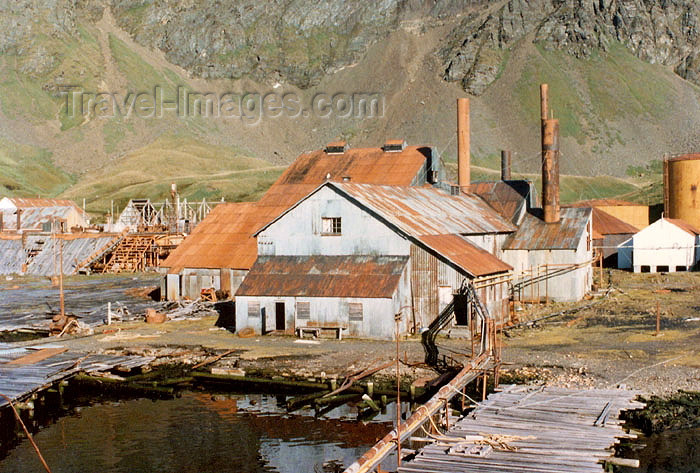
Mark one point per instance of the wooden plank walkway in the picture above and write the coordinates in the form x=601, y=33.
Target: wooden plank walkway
x=531, y=429
x=18, y=380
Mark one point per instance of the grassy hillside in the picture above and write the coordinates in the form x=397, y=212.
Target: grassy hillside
x=28, y=171
x=200, y=171
x=572, y=188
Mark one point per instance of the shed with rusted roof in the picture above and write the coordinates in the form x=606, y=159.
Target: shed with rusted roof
x=667, y=245
x=339, y=224
x=217, y=255
x=608, y=233
x=553, y=260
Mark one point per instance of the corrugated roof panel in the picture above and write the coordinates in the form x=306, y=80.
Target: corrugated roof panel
x=428, y=211
x=508, y=198
x=464, y=254
x=534, y=234
x=324, y=276
x=606, y=224
x=605, y=203
x=683, y=225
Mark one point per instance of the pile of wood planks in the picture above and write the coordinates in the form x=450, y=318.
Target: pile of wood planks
x=530, y=428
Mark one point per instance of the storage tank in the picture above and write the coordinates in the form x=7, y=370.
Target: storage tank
x=682, y=188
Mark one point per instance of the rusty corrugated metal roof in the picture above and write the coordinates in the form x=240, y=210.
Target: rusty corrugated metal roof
x=683, y=225
x=606, y=224
x=605, y=203
x=221, y=240
x=428, y=211
x=236, y=248
x=464, y=254
x=27, y=202
x=508, y=198
x=534, y=234
x=324, y=276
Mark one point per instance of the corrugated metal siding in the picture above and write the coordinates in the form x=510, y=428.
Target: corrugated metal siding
x=377, y=315
x=424, y=283
x=12, y=256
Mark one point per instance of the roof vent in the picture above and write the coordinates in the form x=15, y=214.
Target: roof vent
x=346, y=178
x=337, y=147
x=394, y=146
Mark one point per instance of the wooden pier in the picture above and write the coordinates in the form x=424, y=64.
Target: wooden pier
x=530, y=429
x=27, y=370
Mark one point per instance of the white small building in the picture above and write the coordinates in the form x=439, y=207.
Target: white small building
x=667, y=245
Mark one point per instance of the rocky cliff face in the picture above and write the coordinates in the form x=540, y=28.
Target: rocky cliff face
x=657, y=31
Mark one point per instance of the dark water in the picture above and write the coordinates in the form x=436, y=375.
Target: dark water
x=667, y=452
x=198, y=433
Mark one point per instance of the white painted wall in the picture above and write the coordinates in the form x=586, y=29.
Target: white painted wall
x=564, y=286
x=299, y=231
x=660, y=244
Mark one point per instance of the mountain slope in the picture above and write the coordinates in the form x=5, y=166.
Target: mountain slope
x=617, y=72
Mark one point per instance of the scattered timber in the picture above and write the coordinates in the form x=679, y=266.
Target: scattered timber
x=27, y=370
x=528, y=428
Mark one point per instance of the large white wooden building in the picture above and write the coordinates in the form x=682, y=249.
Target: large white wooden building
x=355, y=255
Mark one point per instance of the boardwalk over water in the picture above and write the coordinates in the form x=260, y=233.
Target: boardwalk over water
x=26, y=370
x=531, y=429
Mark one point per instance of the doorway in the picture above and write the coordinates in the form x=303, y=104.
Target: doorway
x=279, y=316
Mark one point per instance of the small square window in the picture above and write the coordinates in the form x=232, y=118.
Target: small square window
x=253, y=309
x=355, y=310
x=330, y=226
x=303, y=310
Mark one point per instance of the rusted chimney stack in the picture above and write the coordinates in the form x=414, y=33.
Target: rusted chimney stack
x=463, y=152
x=550, y=170
x=505, y=165
x=550, y=159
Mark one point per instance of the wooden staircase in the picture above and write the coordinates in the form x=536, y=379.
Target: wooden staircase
x=131, y=254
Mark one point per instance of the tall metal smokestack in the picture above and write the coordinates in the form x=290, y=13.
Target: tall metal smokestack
x=550, y=170
x=544, y=102
x=463, y=152
x=505, y=165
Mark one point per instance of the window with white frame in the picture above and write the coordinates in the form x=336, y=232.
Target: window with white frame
x=330, y=226
x=303, y=310
x=253, y=309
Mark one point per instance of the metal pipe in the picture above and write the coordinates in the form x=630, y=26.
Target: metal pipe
x=544, y=101
x=463, y=151
x=550, y=170
x=505, y=165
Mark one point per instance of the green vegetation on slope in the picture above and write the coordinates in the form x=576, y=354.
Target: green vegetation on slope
x=592, y=96
x=29, y=171
x=572, y=188
x=200, y=171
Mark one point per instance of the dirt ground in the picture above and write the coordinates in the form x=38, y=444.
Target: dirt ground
x=607, y=341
